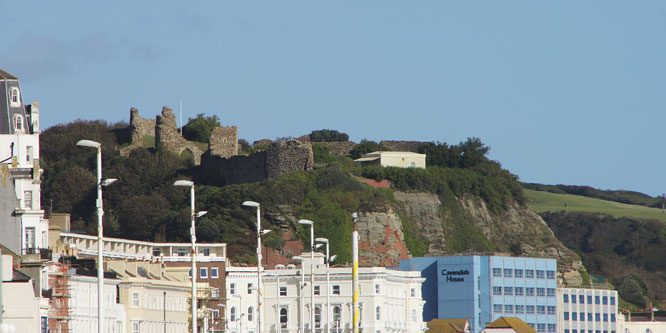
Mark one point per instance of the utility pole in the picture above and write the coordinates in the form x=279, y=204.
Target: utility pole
x=355, y=272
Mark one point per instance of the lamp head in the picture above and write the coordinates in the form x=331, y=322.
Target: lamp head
x=305, y=222
x=332, y=258
x=201, y=213
x=319, y=245
x=183, y=183
x=321, y=239
x=108, y=181
x=265, y=231
x=250, y=204
x=88, y=143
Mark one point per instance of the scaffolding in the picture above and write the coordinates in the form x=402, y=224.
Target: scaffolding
x=59, y=304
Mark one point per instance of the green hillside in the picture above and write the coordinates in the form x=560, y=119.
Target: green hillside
x=551, y=202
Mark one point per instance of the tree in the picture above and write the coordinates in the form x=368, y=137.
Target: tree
x=327, y=135
x=199, y=128
x=366, y=146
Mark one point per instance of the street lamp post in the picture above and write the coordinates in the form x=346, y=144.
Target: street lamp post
x=311, y=224
x=355, y=313
x=328, y=285
x=259, y=234
x=100, y=230
x=300, y=294
x=193, y=236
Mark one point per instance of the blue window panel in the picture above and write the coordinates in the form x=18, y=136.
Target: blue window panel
x=497, y=272
x=508, y=272
x=581, y=299
x=596, y=300
x=551, y=309
x=589, y=299
x=529, y=273
x=597, y=317
x=612, y=300
x=566, y=298
x=589, y=316
x=550, y=275
x=550, y=292
x=581, y=317
x=612, y=317
x=566, y=315
x=540, y=274
x=605, y=316
x=574, y=316
x=604, y=300
x=518, y=273
x=518, y=291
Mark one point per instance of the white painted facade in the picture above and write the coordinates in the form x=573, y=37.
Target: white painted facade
x=389, y=301
x=83, y=305
x=20, y=305
x=585, y=310
x=641, y=326
x=400, y=159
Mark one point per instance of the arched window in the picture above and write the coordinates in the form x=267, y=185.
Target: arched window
x=250, y=314
x=15, y=98
x=18, y=122
x=317, y=317
x=337, y=315
x=413, y=315
x=284, y=317
x=232, y=314
x=378, y=313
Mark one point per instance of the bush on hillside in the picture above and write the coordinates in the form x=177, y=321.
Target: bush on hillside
x=199, y=128
x=327, y=135
x=366, y=146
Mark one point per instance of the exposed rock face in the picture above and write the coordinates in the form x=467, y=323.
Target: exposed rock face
x=288, y=156
x=382, y=238
x=166, y=133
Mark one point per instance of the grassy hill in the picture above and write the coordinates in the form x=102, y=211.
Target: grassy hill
x=552, y=202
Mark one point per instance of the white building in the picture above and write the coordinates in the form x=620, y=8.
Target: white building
x=83, y=305
x=400, y=159
x=644, y=322
x=24, y=229
x=20, y=305
x=582, y=310
x=389, y=301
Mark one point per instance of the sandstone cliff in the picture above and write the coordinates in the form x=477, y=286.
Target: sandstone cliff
x=518, y=231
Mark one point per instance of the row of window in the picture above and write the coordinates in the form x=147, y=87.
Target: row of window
x=182, y=252
x=335, y=289
x=575, y=316
x=520, y=309
x=581, y=299
x=203, y=273
x=528, y=273
x=588, y=331
x=520, y=291
x=284, y=316
x=541, y=328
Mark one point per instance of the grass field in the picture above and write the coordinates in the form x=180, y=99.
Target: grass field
x=546, y=201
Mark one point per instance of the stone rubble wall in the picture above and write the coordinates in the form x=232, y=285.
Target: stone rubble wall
x=288, y=156
x=166, y=134
x=339, y=148
x=224, y=141
x=411, y=146
x=138, y=128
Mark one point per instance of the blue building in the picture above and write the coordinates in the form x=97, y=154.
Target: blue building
x=484, y=288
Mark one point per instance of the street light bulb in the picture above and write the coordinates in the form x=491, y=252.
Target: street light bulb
x=332, y=258
x=306, y=222
x=183, y=183
x=250, y=204
x=319, y=245
x=321, y=239
x=109, y=181
x=88, y=143
x=265, y=231
x=202, y=213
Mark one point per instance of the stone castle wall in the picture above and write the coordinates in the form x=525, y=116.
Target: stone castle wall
x=224, y=141
x=282, y=157
x=142, y=127
x=166, y=134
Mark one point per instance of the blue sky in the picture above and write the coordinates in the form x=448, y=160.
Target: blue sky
x=564, y=92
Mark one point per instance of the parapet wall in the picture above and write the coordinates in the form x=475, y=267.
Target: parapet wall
x=224, y=141
x=287, y=156
x=166, y=134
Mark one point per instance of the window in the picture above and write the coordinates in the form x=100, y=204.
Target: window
x=203, y=272
x=596, y=300
x=574, y=316
x=597, y=316
x=550, y=275
x=589, y=316
x=27, y=199
x=157, y=252
x=15, y=99
x=529, y=273
x=378, y=313
x=182, y=252
x=508, y=272
x=518, y=273
x=566, y=298
x=250, y=313
x=249, y=288
x=581, y=299
x=508, y=290
x=413, y=315
x=566, y=315
x=497, y=290
x=529, y=309
x=30, y=237
x=605, y=316
x=497, y=308
x=541, y=327
x=589, y=299
x=612, y=317
x=317, y=290
x=337, y=313
x=520, y=309
x=541, y=309
x=412, y=292
x=336, y=289
x=508, y=308
x=136, y=326
x=573, y=299
x=283, y=290
x=497, y=272
x=529, y=291
x=540, y=274
x=214, y=273
x=518, y=291
x=612, y=299
x=552, y=328
x=232, y=313
x=604, y=300
x=551, y=292
x=18, y=122
x=581, y=317
x=135, y=300
x=551, y=309
x=232, y=289
x=28, y=154
x=206, y=251
x=541, y=291
x=317, y=317
x=284, y=316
